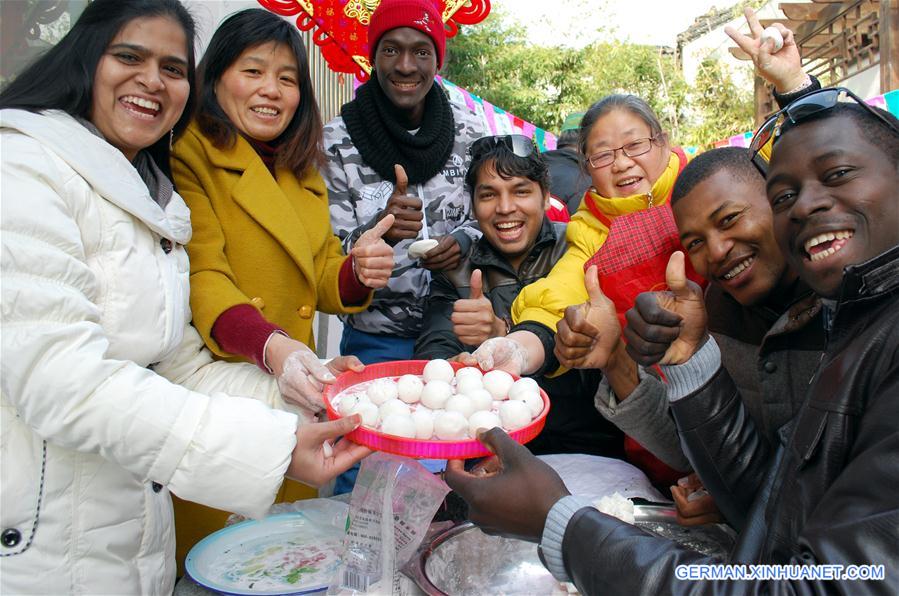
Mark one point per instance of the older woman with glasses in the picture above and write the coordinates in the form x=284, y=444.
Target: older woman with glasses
x=623, y=227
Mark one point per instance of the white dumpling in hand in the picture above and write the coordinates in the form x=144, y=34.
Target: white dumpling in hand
x=483, y=420
x=381, y=390
x=438, y=370
x=480, y=399
x=368, y=412
x=435, y=394
x=450, y=426
x=498, y=383
x=393, y=406
x=461, y=404
x=522, y=386
x=399, y=425
x=424, y=423
x=514, y=414
x=409, y=388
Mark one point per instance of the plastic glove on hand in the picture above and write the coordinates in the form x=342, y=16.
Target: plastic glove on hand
x=302, y=379
x=502, y=353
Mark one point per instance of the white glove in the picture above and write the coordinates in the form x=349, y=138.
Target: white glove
x=303, y=378
x=502, y=353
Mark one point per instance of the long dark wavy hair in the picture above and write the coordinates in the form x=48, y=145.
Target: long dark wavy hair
x=300, y=145
x=63, y=77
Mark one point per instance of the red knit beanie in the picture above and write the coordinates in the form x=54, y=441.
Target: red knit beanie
x=417, y=14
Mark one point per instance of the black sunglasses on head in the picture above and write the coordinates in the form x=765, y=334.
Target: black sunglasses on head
x=519, y=145
x=804, y=107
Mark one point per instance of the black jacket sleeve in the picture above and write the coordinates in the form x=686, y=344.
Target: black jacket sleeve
x=727, y=451
x=785, y=99
x=437, y=339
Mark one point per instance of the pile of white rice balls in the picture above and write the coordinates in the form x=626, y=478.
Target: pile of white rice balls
x=443, y=404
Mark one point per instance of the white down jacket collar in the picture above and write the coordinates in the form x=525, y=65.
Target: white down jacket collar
x=95, y=160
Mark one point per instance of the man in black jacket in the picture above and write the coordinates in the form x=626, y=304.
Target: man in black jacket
x=508, y=184
x=828, y=498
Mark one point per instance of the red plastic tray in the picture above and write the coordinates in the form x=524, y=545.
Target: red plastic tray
x=417, y=448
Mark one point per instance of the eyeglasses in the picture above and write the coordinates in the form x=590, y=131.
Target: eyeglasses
x=632, y=149
x=519, y=145
x=804, y=107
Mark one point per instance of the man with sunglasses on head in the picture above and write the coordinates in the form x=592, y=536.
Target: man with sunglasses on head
x=508, y=182
x=824, y=500
x=400, y=148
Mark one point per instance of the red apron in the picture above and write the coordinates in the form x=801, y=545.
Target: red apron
x=632, y=260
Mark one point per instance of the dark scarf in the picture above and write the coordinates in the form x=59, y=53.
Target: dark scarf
x=265, y=151
x=381, y=140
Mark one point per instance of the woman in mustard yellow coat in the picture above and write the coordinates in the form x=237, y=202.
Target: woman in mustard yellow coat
x=263, y=256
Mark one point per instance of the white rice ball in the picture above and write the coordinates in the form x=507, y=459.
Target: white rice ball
x=450, y=426
x=347, y=403
x=468, y=384
x=381, y=390
x=399, y=425
x=461, y=404
x=439, y=370
x=498, y=383
x=468, y=371
x=522, y=386
x=533, y=401
x=483, y=420
x=393, y=406
x=435, y=394
x=368, y=411
x=409, y=388
x=480, y=399
x=514, y=415
x=424, y=423
x=772, y=33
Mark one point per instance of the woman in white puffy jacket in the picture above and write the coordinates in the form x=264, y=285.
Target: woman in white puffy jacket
x=109, y=400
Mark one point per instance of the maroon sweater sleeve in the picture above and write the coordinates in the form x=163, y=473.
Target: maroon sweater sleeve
x=242, y=330
x=351, y=289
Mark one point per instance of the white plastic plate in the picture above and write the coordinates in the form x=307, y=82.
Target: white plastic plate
x=281, y=554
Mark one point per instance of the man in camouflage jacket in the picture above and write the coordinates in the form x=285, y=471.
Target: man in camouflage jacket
x=391, y=121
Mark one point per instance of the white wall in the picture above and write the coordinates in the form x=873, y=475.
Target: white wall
x=865, y=83
x=209, y=14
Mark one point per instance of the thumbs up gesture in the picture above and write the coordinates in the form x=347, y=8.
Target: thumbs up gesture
x=473, y=319
x=372, y=257
x=405, y=209
x=667, y=327
x=589, y=332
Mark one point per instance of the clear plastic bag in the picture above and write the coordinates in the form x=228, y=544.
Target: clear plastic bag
x=391, y=508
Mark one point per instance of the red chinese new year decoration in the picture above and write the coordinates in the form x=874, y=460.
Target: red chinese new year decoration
x=340, y=27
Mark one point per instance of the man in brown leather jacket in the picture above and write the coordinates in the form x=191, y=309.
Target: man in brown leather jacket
x=828, y=498
x=508, y=182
